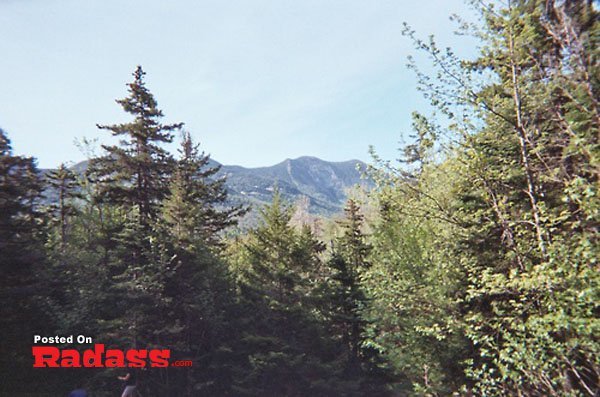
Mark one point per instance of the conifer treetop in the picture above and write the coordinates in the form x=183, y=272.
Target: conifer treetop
x=142, y=104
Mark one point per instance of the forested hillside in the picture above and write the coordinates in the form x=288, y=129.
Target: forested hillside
x=323, y=184
x=470, y=268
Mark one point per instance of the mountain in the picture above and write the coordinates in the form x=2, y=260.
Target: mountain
x=323, y=184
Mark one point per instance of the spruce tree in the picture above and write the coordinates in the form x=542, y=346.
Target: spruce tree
x=286, y=343
x=197, y=290
x=348, y=304
x=414, y=286
x=21, y=188
x=21, y=259
x=63, y=182
x=130, y=181
x=349, y=259
x=136, y=172
x=196, y=207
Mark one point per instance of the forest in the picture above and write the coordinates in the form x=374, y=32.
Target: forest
x=470, y=268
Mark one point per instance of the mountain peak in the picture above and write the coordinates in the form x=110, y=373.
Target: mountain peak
x=317, y=160
x=324, y=183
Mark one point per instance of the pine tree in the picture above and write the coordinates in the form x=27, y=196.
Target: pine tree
x=129, y=183
x=21, y=258
x=21, y=188
x=348, y=260
x=196, y=207
x=348, y=305
x=286, y=343
x=414, y=285
x=197, y=289
x=136, y=172
x=274, y=257
x=64, y=183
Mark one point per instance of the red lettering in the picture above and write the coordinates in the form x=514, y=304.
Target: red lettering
x=45, y=356
x=135, y=358
x=70, y=358
x=53, y=357
x=160, y=358
x=114, y=358
x=93, y=358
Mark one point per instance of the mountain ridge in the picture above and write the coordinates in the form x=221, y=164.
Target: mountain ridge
x=323, y=183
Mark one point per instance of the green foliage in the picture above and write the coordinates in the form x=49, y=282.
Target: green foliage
x=523, y=118
x=303, y=336
x=415, y=286
x=65, y=185
x=195, y=209
x=22, y=287
x=475, y=272
x=136, y=172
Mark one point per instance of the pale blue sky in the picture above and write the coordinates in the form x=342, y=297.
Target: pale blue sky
x=255, y=81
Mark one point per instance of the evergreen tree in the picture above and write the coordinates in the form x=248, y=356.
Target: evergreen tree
x=64, y=183
x=287, y=347
x=21, y=259
x=199, y=308
x=21, y=190
x=196, y=207
x=348, y=261
x=277, y=267
x=129, y=183
x=136, y=172
x=347, y=305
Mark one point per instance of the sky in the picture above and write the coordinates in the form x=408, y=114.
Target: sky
x=254, y=81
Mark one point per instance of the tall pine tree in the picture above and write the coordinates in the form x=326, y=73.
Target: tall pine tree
x=130, y=181
x=63, y=182
x=136, y=172
x=21, y=259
